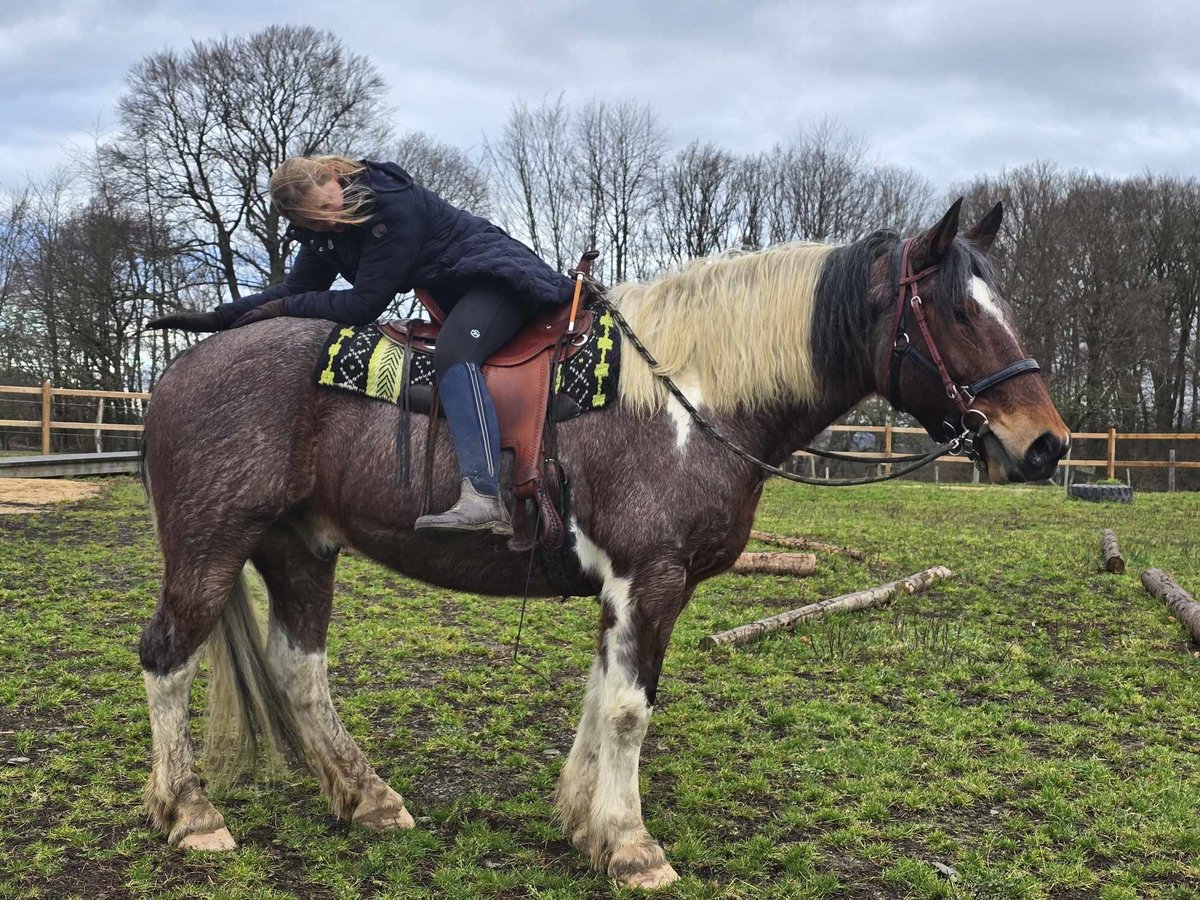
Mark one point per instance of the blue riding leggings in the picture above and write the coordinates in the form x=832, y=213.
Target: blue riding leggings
x=483, y=321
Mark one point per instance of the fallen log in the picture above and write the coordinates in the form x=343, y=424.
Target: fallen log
x=1113, y=560
x=798, y=564
x=794, y=543
x=876, y=596
x=1181, y=604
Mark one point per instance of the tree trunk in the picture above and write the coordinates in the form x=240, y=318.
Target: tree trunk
x=1113, y=560
x=775, y=564
x=1179, y=601
x=877, y=596
x=793, y=543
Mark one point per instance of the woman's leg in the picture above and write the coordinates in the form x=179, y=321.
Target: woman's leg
x=482, y=322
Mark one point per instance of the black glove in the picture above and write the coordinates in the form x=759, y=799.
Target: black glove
x=269, y=310
x=189, y=321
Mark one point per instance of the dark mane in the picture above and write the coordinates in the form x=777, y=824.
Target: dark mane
x=961, y=262
x=843, y=314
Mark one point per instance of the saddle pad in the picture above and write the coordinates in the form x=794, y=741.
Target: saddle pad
x=362, y=360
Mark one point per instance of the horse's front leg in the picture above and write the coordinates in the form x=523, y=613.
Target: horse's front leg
x=598, y=798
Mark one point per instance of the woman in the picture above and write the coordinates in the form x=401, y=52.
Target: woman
x=385, y=234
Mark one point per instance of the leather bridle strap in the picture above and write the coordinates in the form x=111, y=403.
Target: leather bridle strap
x=973, y=390
x=963, y=396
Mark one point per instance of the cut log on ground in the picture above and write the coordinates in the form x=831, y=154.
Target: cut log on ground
x=794, y=543
x=1181, y=604
x=876, y=596
x=798, y=564
x=1113, y=560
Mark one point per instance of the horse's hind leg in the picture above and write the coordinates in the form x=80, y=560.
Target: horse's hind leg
x=597, y=797
x=298, y=571
x=190, y=605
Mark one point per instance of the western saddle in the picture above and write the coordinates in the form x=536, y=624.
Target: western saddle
x=519, y=379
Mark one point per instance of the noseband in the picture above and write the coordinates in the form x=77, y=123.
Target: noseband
x=964, y=396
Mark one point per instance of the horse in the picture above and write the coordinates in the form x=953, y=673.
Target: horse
x=246, y=460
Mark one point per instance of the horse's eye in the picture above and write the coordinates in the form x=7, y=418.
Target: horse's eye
x=960, y=316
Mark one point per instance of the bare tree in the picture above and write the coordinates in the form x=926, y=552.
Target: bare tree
x=444, y=169
x=533, y=161
x=821, y=187
x=900, y=199
x=202, y=131
x=620, y=148
x=753, y=186
x=696, y=201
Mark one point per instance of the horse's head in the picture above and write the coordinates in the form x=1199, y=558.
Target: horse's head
x=950, y=355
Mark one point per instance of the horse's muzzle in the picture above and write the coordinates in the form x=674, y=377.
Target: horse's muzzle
x=1038, y=464
x=1041, y=459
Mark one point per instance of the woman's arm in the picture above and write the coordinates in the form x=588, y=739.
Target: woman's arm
x=310, y=272
x=391, y=254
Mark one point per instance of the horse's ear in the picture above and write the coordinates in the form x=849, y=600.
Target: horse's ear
x=934, y=243
x=983, y=234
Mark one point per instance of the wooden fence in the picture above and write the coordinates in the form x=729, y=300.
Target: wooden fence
x=47, y=393
x=1110, y=463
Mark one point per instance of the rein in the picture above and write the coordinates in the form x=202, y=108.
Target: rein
x=706, y=426
x=964, y=440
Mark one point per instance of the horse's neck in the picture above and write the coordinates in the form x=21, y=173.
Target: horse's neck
x=779, y=432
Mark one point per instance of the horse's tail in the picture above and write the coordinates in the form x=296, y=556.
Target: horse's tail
x=247, y=709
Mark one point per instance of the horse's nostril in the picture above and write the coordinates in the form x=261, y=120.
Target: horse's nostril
x=1045, y=451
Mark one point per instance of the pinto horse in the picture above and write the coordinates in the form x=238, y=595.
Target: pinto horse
x=247, y=460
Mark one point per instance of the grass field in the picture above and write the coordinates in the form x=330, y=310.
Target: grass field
x=1032, y=724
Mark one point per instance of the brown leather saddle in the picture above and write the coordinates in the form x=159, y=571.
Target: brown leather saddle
x=518, y=377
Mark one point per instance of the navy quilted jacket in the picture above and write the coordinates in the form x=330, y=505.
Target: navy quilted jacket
x=413, y=239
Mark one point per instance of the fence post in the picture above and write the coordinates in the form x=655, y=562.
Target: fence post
x=46, y=397
x=1171, y=471
x=99, y=422
x=1112, y=454
x=887, y=446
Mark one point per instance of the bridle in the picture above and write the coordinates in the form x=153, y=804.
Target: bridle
x=964, y=437
x=962, y=440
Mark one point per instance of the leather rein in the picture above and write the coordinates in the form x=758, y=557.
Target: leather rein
x=963, y=440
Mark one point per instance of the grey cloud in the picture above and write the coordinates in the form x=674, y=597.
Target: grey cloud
x=949, y=88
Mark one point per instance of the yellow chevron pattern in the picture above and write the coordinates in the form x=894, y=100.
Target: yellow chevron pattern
x=385, y=371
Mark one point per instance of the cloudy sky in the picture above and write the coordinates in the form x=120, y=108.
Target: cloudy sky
x=950, y=88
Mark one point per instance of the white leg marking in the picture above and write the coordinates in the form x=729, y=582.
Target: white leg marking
x=173, y=796
x=608, y=746
x=353, y=788
x=623, y=715
x=577, y=783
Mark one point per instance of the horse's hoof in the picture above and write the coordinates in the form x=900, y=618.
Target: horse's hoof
x=383, y=818
x=652, y=879
x=209, y=841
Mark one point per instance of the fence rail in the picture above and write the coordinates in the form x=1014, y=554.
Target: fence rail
x=47, y=392
x=1110, y=463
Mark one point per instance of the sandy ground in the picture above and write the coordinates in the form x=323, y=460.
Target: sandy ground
x=24, y=495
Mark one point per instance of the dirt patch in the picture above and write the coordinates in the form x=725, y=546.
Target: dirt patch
x=26, y=495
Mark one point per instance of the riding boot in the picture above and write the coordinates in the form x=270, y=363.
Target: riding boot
x=476, y=435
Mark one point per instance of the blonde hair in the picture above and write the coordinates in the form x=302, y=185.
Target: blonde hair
x=736, y=326
x=293, y=180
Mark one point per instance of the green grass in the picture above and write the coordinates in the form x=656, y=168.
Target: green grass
x=1031, y=723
